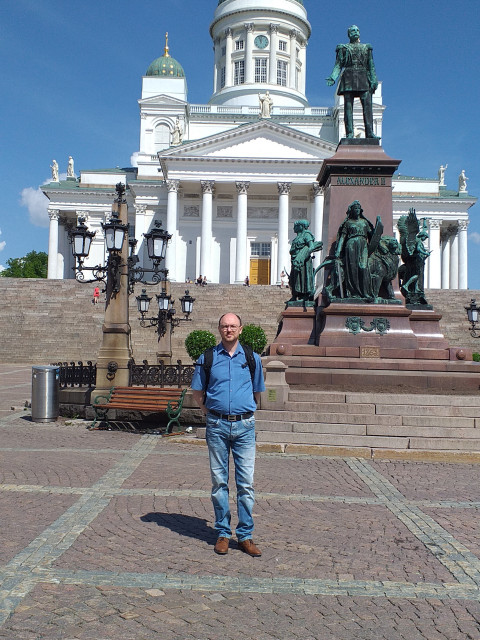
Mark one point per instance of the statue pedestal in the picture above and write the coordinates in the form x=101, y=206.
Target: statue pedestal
x=359, y=170
x=366, y=330
x=297, y=326
x=354, y=342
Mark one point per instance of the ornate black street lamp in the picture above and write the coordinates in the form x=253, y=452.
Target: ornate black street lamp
x=472, y=314
x=166, y=311
x=115, y=235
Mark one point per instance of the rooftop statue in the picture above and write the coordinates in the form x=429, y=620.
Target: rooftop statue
x=54, y=168
x=462, y=182
x=358, y=80
x=301, y=280
x=177, y=135
x=441, y=175
x=414, y=254
x=266, y=104
x=70, y=171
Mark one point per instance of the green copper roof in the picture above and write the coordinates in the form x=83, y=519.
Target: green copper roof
x=166, y=66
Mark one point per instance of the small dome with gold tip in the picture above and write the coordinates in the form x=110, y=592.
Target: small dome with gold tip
x=166, y=65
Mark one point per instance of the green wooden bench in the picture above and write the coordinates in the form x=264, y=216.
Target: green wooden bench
x=152, y=399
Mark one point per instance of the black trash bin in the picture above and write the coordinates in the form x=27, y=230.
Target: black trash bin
x=45, y=387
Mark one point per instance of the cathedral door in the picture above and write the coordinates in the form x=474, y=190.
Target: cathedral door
x=260, y=262
x=260, y=271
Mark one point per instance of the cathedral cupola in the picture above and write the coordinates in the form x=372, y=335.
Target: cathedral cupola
x=260, y=45
x=166, y=65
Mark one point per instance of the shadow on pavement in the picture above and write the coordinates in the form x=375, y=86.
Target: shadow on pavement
x=184, y=525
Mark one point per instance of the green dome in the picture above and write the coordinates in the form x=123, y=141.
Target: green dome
x=166, y=66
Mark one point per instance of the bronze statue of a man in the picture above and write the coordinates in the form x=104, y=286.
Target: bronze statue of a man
x=358, y=80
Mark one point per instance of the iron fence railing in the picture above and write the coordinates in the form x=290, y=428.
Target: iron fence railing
x=140, y=375
x=160, y=375
x=77, y=374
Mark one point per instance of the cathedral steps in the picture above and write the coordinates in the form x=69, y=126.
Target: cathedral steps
x=44, y=321
x=373, y=421
x=337, y=412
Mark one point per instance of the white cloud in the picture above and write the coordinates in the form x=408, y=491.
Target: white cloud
x=474, y=237
x=134, y=159
x=37, y=204
x=2, y=245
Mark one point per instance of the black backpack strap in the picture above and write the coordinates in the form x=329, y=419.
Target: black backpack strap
x=207, y=366
x=250, y=358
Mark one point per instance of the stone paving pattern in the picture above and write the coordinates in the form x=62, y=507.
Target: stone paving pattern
x=108, y=535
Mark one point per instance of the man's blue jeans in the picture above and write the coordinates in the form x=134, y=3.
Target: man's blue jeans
x=239, y=438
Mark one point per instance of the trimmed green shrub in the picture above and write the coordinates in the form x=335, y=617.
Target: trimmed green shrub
x=197, y=342
x=476, y=357
x=254, y=336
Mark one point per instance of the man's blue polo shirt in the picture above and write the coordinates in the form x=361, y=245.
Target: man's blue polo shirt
x=230, y=387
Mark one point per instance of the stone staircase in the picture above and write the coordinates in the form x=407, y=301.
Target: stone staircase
x=372, y=424
x=44, y=321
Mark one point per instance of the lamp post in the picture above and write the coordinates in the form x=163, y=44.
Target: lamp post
x=165, y=318
x=472, y=315
x=119, y=274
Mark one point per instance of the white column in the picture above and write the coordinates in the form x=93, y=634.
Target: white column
x=454, y=259
x=445, y=238
x=241, y=269
x=172, y=201
x=140, y=229
x=65, y=259
x=318, y=202
x=273, y=259
x=293, y=58
x=462, y=254
x=206, y=241
x=249, y=54
x=228, y=58
x=283, y=209
x=272, y=72
x=303, y=67
x=54, y=215
x=216, y=66
x=435, y=270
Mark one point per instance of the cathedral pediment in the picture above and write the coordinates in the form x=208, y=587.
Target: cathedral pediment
x=161, y=100
x=263, y=140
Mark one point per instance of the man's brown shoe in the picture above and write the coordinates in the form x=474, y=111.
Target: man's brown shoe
x=247, y=546
x=221, y=545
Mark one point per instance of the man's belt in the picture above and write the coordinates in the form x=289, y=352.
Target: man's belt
x=231, y=418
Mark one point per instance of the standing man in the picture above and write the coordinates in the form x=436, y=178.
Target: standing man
x=227, y=388
x=358, y=80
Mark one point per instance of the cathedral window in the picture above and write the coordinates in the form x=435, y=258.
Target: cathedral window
x=222, y=77
x=239, y=45
x=162, y=137
x=260, y=249
x=282, y=45
x=282, y=73
x=260, y=69
x=239, y=75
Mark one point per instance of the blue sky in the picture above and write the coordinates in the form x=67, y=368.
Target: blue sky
x=72, y=77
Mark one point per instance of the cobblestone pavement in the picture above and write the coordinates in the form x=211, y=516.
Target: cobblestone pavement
x=108, y=535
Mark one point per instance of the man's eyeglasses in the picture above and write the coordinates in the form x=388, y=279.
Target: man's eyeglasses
x=224, y=327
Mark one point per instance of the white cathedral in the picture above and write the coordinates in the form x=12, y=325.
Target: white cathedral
x=228, y=178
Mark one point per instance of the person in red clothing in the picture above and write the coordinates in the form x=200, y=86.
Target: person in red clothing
x=96, y=295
